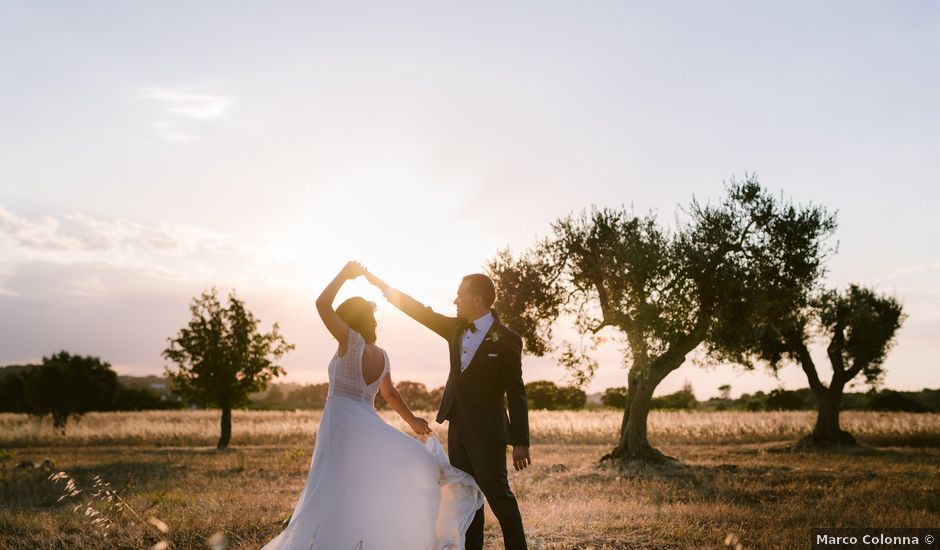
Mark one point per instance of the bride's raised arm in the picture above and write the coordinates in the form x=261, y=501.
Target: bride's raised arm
x=334, y=324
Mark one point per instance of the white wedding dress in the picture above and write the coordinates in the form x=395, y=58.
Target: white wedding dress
x=370, y=486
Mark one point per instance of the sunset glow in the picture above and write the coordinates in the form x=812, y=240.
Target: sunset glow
x=136, y=171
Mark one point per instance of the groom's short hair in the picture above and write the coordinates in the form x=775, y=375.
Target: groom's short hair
x=482, y=286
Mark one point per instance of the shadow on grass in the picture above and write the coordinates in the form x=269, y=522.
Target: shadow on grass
x=771, y=476
x=34, y=489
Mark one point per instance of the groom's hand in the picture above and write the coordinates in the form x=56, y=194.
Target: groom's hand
x=520, y=457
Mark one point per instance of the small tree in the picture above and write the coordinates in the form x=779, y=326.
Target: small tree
x=724, y=391
x=860, y=326
x=66, y=385
x=221, y=357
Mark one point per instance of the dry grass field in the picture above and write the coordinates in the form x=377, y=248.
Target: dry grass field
x=733, y=480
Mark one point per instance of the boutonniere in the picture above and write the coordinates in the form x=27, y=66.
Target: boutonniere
x=494, y=337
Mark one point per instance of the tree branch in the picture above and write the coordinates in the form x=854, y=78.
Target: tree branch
x=851, y=373
x=806, y=362
x=610, y=316
x=836, y=346
x=679, y=348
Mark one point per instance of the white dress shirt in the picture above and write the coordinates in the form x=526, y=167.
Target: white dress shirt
x=470, y=341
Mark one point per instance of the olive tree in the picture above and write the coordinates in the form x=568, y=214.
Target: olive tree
x=859, y=325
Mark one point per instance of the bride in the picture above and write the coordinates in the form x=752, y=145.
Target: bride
x=371, y=487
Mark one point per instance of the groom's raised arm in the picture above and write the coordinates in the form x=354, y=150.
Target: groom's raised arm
x=443, y=325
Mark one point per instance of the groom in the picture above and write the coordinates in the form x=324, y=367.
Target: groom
x=485, y=364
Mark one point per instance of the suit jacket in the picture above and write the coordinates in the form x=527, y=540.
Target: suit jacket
x=475, y=397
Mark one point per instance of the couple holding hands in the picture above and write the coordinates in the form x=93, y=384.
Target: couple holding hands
x=371, y=487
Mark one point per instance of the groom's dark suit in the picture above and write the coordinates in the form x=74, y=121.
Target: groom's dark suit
x=479, y=427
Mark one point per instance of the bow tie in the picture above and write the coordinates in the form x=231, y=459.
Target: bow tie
x=468, y=325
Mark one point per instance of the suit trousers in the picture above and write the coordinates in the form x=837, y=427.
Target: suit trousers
x=486, y=462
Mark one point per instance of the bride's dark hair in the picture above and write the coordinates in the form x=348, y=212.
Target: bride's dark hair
x=359, y=314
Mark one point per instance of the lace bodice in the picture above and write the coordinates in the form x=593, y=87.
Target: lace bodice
x=346, y=372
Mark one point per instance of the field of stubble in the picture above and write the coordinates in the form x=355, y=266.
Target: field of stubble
x=732, y=480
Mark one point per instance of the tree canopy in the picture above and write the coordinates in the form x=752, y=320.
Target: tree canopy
x=859, y=325
x=67, y=385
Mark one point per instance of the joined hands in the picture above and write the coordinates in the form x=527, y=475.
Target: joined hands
x=354, y=269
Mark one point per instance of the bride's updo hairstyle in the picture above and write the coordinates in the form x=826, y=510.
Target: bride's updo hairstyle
x=359, y=314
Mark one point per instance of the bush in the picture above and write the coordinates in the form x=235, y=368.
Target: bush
x=13, y=389
x=570, y=398
x=137, y=399
x=615, y=397
x=787, y=400
x=890, y=400
x=544, y=394
x=683, y=399
x=541, y=394
x=68, y=385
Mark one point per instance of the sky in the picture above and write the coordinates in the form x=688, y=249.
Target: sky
x=151, y=151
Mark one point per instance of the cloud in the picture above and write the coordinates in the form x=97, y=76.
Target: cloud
x=122, y=233
x=189, y=105
x=44, y=235
x=77, y=232
x=166, y=252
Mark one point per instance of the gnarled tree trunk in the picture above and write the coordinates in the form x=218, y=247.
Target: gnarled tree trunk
x=634, y=442
x=645, y=375
x=827, y=431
